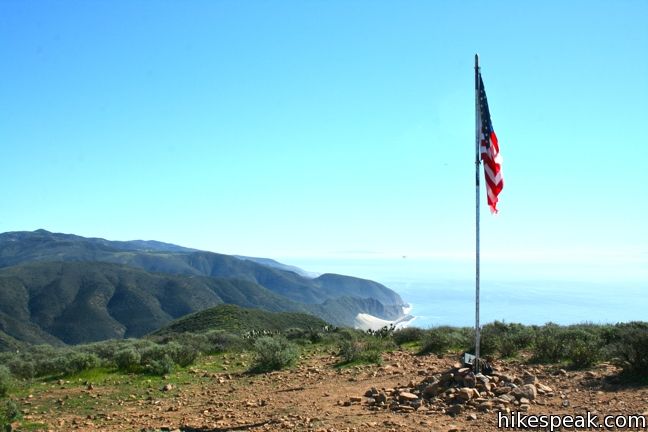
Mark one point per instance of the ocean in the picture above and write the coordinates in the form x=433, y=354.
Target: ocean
x=442, y=293
x=453, y=302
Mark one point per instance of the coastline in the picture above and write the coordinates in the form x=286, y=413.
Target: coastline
x=364, y=321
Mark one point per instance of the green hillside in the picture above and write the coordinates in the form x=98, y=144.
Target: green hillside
x=239, y=320
x=75, y=302
x=66, y=289
x=7, y=343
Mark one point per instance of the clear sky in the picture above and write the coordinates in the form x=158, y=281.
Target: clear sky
x=330, y=129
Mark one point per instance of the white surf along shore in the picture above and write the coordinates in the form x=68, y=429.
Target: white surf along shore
x=365, y=321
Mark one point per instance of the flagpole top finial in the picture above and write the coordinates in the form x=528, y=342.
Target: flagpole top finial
x=476, y=59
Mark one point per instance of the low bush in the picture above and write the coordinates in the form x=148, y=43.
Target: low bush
x=159, y=366
x=407, y=335
x=548, y=344
x=106, y=350
x=355, y=346
x=9, y=413
x=505, y=339
x=582, y=346
x=20, y=367
x=274, y=353
x=221, y=341
x=350, y=350
x=182, y=355
x=303, y=335
x=438, y=340
x=128, y=359
x=5, y=381
x=76, y=361
x=630, y=347
x=383, y=332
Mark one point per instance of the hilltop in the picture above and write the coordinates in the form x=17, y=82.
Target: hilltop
x=239, y=320
x=400, y=387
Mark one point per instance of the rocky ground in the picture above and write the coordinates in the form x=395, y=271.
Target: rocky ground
x=406, y=393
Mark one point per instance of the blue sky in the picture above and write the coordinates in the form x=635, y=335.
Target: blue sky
x=312, y=130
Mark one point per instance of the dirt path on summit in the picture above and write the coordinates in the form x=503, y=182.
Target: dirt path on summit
x=315, y=396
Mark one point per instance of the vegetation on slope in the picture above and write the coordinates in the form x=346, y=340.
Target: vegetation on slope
x=80, y=302
x=238, y=320
x=66, y=289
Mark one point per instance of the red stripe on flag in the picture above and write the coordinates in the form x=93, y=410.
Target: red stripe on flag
x=492, y=170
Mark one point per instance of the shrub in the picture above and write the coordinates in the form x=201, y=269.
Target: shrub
x=182, y=355
x=294, y=333
x=274, y=353
x=106, y=350
x=362, y=348
x=582, y=347
x=9, y=413
x=21, y=368
x=438, y=340
x=220, y=341
x=630, y=347
x=76, y=361
x=160, y=366
x=127, y=359
x=303, y=335
x=383, y=332
x=156, y=359
x=504, y=339
x=408, y=334
x=5, y=381
x=151, y=351
x=350, y=350
x=548, y=344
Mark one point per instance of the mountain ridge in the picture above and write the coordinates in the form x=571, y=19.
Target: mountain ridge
x=68, y=289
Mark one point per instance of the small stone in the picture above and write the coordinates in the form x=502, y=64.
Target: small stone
x=485, y=406
x=543, y=389
x=528, y=391
x=529, y=378
x=454, y=410
x=465, y=393
x=471, y=416
x=167, y=387
x=407, y=396
x=434, y=389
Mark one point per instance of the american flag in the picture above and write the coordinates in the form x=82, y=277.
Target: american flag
x=489, y=150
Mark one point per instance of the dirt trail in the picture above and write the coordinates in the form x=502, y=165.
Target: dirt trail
x=317, y=397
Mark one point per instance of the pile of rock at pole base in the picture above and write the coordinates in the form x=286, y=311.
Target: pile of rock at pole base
x=460, y=390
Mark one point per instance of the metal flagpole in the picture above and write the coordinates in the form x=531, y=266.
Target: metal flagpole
x=477, y=163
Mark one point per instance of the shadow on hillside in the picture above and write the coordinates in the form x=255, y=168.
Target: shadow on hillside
x=617, y=382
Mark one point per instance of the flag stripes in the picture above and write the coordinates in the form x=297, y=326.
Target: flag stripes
x=489, y=150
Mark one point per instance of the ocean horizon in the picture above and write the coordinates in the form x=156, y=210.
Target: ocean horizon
x=436, y=303
x=443, y=293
